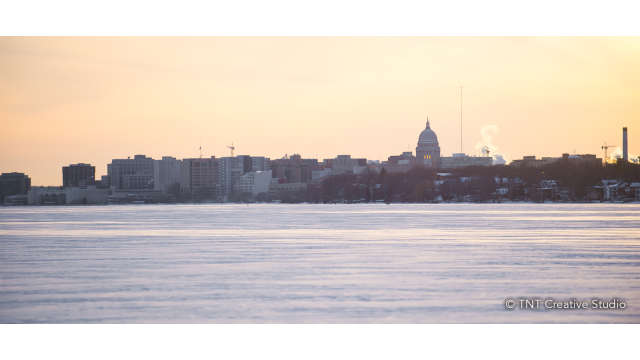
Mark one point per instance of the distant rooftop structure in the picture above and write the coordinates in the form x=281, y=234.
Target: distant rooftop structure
x=531, y=161
x=460, y=160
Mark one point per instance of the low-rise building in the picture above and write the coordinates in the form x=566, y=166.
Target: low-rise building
x=581, y=159
x=86, y=195
x=104, y=182
x=460, y=160
x=400, y=163
x=46, y=195
x=11, y=200
x=531, y=161
x=276, y=187
x=635, y=190
x=254, y=183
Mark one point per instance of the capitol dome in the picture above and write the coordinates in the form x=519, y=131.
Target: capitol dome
x=427, y=136
x=428, y=150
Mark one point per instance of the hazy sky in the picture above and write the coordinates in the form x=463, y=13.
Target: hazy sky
x=69, y=100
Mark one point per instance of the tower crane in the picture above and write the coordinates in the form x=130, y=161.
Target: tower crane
x=606, y=147
x=232, y=148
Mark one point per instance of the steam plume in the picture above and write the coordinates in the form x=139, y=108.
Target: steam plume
x=487, y=133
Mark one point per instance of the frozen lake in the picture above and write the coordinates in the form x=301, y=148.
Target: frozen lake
x=262, y=263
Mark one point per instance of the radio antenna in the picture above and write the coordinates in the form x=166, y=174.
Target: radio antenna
x=460, y=118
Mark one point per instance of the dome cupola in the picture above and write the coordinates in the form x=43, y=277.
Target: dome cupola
x=427, y=136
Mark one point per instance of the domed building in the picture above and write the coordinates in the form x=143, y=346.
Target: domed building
x=428, y=150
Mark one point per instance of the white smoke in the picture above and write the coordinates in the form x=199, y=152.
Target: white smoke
x=617, y=154
x=487, y=133
x=499, y=159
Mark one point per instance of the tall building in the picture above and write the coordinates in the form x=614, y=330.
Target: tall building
x=428, y=150
x=132, y=174
x=293, y=169
x=345, y=164
x=243, y=163
x=200, y=176
x=225, y=170
x=13, y=184
x=260, y=163
x=167, y=173
x=80, y=174
x=625, y=146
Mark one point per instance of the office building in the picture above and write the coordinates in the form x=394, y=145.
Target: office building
x=254, y=183
x=459, y=160
x=200, y=176
x=132, y=174
x=46, y=195
x=167, y=174
x=78, y=175
x=86, y=195
x=294, y=169
x=344, y=164
x=13, y=184
x=260, y=163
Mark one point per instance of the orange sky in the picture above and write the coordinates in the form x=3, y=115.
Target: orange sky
x=69, y=100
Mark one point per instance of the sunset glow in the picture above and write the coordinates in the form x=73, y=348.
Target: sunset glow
x=70, y=100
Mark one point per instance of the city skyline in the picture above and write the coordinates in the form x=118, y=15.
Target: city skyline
x=90, y=100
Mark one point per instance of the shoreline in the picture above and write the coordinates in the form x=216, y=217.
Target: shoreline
x=335, y=203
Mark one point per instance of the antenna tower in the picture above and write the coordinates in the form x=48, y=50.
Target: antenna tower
x=460, y=118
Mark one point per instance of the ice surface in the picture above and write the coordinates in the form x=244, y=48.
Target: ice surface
x=263, y=263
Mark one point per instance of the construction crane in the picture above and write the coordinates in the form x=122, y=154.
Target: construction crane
x=232, y=148
x=606, y=147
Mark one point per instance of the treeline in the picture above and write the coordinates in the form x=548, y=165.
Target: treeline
x=574, y=181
